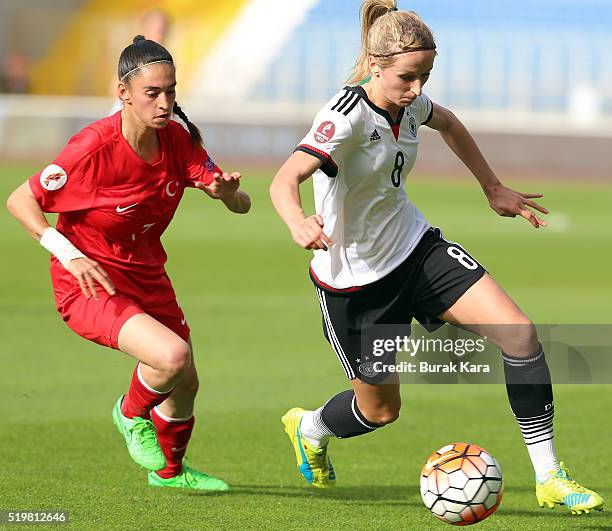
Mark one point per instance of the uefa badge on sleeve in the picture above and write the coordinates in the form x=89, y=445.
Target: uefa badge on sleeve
x=53, y=177
x=325, y=132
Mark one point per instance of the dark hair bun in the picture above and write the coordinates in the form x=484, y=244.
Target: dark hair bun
x=138, y=38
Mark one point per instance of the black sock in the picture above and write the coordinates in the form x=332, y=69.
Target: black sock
x=343, y=418
x=530, y=394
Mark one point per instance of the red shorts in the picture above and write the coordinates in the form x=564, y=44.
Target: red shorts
x=101, y=320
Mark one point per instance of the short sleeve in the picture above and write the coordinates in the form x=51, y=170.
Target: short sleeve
x=198, y=166
x=68, y=184
x=330, y=133
x=422, y=109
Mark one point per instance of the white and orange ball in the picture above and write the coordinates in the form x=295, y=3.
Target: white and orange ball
x=461, y=484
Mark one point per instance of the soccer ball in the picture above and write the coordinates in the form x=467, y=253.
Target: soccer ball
x=461, y=484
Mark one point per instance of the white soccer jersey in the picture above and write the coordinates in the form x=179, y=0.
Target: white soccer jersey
x=359, y=189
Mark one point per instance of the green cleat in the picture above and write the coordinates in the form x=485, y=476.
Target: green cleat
x=189, y=479
x=140, y=438
x=561, y=489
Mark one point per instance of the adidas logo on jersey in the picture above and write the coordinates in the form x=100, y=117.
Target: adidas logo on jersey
x=374, y=136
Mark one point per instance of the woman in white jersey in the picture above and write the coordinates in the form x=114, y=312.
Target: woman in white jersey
x=378, y=261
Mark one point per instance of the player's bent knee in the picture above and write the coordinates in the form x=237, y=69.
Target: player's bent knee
x=383, y=415
x=520, y=339
x=177, y=359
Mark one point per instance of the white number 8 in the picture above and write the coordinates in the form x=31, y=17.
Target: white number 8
x=463, y=258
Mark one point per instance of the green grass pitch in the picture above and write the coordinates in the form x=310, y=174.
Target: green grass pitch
x=259, y=347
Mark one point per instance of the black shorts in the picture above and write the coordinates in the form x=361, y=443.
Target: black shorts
x=435, y=275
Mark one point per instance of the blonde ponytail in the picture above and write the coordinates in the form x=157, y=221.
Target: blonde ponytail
x=385, y=31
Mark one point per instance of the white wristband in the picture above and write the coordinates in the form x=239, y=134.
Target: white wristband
x=59, y=246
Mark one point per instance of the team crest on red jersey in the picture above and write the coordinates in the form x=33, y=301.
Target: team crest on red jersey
x=53, y=177
x=325, y=132
x=172, y=188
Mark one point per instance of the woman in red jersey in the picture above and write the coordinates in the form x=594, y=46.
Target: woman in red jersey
x=116, y=186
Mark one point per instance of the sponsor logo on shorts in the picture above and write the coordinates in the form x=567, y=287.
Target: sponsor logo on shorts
x=53, y=177
x=325, y=132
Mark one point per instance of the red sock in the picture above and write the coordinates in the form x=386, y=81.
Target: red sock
x=141, y=398
x=173, y=436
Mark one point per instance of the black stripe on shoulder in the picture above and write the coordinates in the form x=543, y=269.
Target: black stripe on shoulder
x=430, y=115
x=352, y=105
x=329, y=167
x=347, y=102
x=343, y=97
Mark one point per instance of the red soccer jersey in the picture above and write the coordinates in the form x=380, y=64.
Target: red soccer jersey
x=114, y=206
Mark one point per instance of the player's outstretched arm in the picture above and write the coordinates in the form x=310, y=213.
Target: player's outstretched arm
x=225, y=187
x=307, y=232
x=503, y=200
x=25, y=208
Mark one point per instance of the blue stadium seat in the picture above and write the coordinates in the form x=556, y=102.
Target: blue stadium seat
x=525, y=55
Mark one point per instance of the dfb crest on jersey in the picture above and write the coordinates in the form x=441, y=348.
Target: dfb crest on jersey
x=325, y=132
x=412, y=126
